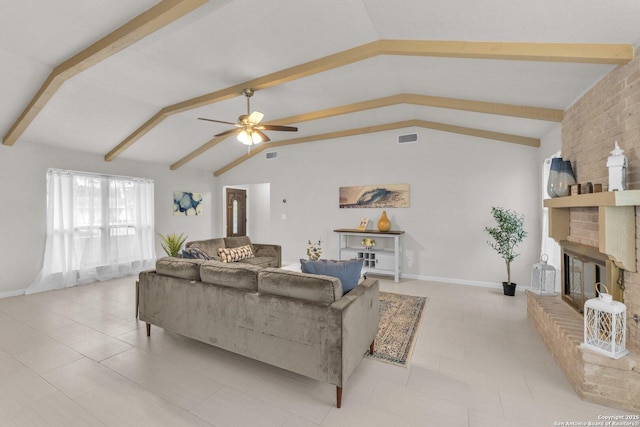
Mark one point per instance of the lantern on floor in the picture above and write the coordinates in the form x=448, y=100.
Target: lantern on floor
x=605, y=325
x=543, y=277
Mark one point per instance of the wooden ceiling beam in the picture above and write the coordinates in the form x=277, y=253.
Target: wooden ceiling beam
x=480, y=133
x=522, y=111
x=299, y=71
x=592, y=53
x=526, y=112
x=555, y=52
x=139, y=27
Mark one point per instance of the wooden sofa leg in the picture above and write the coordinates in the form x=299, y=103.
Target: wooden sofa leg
x=338, y=396
x=372, y=346
x=148, y=329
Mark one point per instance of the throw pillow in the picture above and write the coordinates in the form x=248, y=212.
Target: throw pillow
x=235, y=254
x=195, y=253
x=348, y=271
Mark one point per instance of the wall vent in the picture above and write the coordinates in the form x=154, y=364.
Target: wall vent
x=271, y=155
x=407, y=138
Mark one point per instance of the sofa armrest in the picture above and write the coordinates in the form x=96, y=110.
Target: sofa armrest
x=359, y=316
x=268, y=250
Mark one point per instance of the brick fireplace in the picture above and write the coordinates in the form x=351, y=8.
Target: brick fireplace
x=608, y=112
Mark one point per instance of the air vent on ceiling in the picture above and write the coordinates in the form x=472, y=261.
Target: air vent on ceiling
x=407, y=138
x=271, y=155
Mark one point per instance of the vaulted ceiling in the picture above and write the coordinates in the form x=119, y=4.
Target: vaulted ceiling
x=128, y=79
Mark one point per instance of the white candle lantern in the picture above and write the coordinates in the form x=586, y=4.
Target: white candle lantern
x=605, y=325
x=617, y=164
x=543, y=277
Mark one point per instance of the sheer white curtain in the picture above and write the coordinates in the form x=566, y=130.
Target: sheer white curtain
x=98, y=227
x=549, y=246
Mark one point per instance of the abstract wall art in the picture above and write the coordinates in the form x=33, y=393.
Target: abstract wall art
x=186, y=203
x=375, y=196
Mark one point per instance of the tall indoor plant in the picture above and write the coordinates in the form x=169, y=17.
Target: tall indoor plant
x=172, y=243
x=508, y=233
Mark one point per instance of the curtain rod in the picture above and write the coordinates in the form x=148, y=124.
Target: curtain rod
x=102, y=175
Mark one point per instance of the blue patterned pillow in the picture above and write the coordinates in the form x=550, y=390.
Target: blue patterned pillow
x=195, y=253
x=348, y=271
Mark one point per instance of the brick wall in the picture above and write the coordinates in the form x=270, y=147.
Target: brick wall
x=608, y=112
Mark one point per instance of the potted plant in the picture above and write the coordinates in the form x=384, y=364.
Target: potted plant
x=172, y=244
x=508, y=233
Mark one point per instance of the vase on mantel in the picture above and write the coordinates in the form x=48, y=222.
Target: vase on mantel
x=383, y=223
x=566, y=178
x=552, y=182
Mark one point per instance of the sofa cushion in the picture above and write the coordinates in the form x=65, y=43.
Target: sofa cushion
x=348, y=271
x=210, y=246
x=235, y=254
x=307, y=287
x=234, y=275
x=195, y=253
x=261, y=261
x=179, y=267
x=236, y=242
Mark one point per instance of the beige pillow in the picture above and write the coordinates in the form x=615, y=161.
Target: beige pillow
x=235, y=254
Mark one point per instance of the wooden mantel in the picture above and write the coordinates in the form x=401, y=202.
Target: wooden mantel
x=616, y=222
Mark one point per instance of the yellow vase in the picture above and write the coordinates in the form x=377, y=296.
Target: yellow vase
x=384, y=224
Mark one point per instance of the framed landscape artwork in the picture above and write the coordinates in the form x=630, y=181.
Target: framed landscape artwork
x=375, y=196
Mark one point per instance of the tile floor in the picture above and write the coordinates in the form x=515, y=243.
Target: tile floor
x=78, y=357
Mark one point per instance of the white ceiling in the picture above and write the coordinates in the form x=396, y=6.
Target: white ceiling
x=225, y=43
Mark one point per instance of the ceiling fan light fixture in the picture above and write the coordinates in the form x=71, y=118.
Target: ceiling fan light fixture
x=249, y=138
x=256, y=138
x=244, y=138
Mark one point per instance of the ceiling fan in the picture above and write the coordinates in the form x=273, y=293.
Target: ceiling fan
x=248, y=126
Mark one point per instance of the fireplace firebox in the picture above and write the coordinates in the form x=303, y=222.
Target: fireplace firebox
x=583, y=267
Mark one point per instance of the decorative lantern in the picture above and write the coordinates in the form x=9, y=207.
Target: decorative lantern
x=617, y=164
x=605, y=325
x=543, y=277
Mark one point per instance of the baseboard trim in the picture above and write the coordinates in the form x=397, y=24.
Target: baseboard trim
x=12, y=293
x=459, y=281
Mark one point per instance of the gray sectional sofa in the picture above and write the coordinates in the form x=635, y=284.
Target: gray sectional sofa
x=265, y=255
x=296, y=321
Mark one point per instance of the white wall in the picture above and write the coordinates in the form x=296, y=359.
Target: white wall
x=454, y=182
x=23, y=193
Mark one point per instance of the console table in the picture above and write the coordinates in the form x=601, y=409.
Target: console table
x=384, y=258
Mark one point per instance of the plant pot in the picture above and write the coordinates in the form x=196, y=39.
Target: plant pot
x=509, y=289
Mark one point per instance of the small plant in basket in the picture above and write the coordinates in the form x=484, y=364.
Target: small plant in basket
x=314, y=250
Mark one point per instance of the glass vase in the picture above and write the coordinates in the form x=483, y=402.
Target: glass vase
x=565, y=178
x=552, y=182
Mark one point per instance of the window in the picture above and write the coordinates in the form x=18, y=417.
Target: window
x=98, y=227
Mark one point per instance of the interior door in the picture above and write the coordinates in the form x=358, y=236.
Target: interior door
x=236, y=212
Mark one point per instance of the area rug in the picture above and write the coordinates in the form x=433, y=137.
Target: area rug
x=400, y=317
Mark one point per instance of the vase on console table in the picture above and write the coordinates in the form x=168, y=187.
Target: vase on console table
x=383, y=223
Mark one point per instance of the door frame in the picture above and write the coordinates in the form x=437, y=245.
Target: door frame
x=224, y=206
x=226, y=225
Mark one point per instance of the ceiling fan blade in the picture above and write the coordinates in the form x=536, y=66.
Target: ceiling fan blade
x=217, y=121
x=278, y=127
x=264, y=136
x=229, y=132
x=255, y=117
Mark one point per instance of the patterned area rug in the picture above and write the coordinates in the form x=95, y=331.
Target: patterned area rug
x=400, y=317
